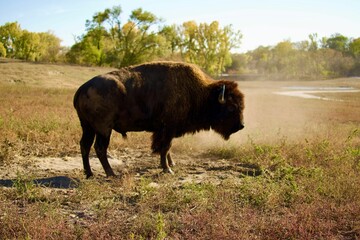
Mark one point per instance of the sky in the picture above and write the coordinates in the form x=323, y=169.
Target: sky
x=261, y=22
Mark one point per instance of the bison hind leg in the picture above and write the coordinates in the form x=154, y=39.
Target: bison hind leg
x=86, y=142
x=101, y=145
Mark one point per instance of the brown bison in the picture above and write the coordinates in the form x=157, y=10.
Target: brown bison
x=166, y=98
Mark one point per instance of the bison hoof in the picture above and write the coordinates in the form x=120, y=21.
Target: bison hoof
x=88, y=176
x=112, y=175
x=168, y=170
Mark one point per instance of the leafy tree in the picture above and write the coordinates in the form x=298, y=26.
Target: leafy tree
x=139, y=43
x=95, y=38
x=335, y=63
x=228, y=41
x=172, y=38
x=9, y=35
x=189, y=46
x=208, y=45
x=89, y=51
x=33, y=46
x=338, y=42
x=354, y=48
x=260, y=60
x=239, y=63
x=75, y=54
x=288, y=60
x=110, y=42
x=282, y=52
x=50, y=47
x=27, y=46
x=313, y=45
x=91, y=47
x=2, y=50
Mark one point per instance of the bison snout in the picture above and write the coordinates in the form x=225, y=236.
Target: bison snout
x=241, y=126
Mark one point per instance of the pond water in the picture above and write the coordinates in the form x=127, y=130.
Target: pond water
x=309, y=91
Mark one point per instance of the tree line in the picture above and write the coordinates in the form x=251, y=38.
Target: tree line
x=31, y=46
x=108, y=41
x=315, y=58
x=142, y=38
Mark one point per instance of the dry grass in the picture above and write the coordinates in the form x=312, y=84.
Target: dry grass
x=45, y=75
x=305, y=183
x=37, y=121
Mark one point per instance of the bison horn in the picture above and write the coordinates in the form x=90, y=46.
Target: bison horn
x=222, y=95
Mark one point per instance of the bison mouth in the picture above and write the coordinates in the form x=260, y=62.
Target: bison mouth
x=225, y=130
x=226, y=133
x=226, y=137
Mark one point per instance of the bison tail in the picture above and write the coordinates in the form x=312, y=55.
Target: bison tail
x=123, y=134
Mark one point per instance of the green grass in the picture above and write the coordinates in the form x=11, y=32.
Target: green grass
x=303, y=187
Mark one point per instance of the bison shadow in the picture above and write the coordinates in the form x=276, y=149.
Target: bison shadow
x=60, y=182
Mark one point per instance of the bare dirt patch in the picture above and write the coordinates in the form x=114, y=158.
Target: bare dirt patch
x=139, y=163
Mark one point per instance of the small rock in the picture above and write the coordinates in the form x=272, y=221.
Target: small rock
x=154, y=185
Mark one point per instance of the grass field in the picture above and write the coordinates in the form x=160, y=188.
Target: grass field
x=292, y=173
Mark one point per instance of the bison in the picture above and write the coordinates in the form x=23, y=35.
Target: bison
x=168, y=99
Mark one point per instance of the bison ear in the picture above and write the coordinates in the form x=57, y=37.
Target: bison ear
x=222, y=95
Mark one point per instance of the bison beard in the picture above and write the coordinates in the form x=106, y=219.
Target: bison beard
x=166, y=98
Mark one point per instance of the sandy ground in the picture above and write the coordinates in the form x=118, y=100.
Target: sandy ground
x=268, y=117
x=62, y=172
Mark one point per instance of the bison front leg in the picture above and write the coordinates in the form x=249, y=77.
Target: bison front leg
x=161, y=144
x=170, y=160
x=101, y=146
x=164, y=162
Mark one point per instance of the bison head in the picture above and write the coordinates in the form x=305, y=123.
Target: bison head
x=228, y=106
